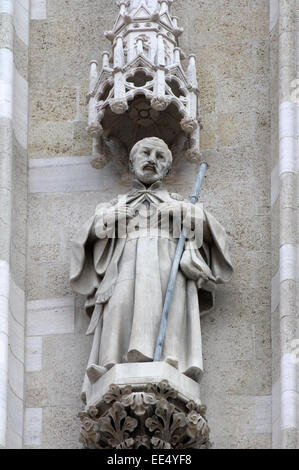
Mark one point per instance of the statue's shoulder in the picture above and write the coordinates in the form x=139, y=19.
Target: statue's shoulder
x=177, y=197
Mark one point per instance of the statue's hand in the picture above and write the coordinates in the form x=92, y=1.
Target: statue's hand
x=184, y=213
x=177, y=210
x=108, y=219
x=119, y=214
x=183, y=216
x=181, y=209
x=202, y=281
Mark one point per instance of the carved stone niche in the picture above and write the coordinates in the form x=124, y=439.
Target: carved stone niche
x=142, y=89
x=133, y=407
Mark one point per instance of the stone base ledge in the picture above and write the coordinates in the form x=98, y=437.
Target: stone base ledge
x=141, y=374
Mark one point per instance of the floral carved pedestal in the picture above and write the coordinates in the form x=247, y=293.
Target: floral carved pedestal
x=149, y=415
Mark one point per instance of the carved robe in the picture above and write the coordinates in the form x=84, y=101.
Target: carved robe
x=125, y=280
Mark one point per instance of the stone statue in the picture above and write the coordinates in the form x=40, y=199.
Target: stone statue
x=121, y=260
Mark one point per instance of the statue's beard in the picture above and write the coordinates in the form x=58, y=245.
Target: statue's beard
x=149, y=173
x=148, y=177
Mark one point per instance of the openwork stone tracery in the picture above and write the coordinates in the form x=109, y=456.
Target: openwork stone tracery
x=152, y=418
x=142, y=89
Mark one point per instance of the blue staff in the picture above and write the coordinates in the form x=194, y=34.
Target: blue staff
x=175, y=269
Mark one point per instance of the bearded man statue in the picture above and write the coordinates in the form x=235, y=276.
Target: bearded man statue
x=121, y=262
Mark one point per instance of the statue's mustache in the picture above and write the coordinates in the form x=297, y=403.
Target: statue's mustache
x=149, y=166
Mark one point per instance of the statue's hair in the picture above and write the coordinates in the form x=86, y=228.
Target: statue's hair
x=149, y=140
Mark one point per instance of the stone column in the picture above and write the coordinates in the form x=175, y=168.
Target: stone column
x=288, y=217
x=14, y=38
x=284, y=223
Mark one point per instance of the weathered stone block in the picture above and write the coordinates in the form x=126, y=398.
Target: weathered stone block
x=59, y=382
x=242, y=95
x=60, y=428
x=258, y=21
x=49, y=139
x=58, y=104
x=82, y=143
x=219, y=29
x=235, y=129
x=208, y=132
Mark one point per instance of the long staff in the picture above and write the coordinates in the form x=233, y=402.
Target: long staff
x=175, y=269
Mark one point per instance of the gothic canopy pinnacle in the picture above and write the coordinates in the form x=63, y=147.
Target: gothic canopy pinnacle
x=142, y=89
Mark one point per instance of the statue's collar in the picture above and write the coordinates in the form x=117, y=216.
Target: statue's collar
x=137, y=185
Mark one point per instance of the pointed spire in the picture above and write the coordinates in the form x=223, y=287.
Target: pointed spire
x=93, y=75
x=175, y=21
x=119, y=58
x=119, y=104
x=94, y=128
x=148, y=4
x=139, y=46
x=122, y=7
x=191, y=72
x=164, y=7
x=177, y=55
x=160, y=50
x=106, y=57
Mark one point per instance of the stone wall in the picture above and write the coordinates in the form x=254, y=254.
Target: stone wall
x=231, y=41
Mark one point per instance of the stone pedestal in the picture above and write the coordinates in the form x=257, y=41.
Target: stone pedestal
x=144, y=405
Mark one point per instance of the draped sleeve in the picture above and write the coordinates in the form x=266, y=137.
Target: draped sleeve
x=208, y=264
x=91, y=256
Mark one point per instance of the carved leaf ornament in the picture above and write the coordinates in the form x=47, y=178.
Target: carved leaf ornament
x=153, y=418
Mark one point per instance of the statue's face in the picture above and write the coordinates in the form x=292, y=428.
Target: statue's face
x=151, y=162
